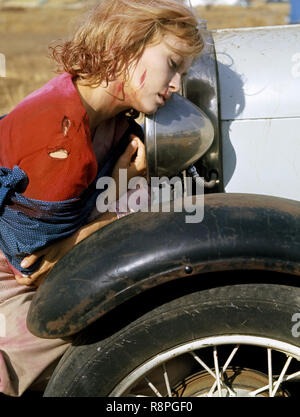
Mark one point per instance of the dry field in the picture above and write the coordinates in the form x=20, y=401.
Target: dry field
x=25, y=34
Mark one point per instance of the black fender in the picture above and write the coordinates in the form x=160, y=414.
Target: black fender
x=145, y=250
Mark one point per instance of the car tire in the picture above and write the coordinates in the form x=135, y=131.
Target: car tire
x=262, y=312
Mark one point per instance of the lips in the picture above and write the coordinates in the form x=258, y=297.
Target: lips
x=164, y=97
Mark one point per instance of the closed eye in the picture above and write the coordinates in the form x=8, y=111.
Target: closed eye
x=174, y=65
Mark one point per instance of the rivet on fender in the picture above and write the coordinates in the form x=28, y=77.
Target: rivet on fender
x=188, y=269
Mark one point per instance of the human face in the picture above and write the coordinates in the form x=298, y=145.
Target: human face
x=156, y=75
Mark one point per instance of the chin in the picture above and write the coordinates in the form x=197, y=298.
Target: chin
x=151, y=110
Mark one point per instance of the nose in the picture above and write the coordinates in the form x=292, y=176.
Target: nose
x=175, y=83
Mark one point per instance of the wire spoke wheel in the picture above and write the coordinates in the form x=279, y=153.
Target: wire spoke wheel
x=223, y=371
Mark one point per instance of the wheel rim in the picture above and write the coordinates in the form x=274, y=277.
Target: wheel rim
x=218, y=376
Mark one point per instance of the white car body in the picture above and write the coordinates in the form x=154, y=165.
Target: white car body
x=196, y=3
x=259, y=109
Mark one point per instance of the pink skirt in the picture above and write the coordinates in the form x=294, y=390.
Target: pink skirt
x=26, y=361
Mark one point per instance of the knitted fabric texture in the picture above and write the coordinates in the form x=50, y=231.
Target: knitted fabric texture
x=27, y=225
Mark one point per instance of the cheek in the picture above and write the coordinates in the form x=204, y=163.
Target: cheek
x=145, y=83
x=143, y=79
x=139, y=85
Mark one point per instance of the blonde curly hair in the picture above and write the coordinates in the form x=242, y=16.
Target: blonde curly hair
x=116, y=33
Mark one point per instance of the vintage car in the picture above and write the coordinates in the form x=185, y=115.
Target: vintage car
x=158, y=306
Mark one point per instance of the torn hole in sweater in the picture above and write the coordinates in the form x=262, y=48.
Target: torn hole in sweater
x=65, y=126
x=59, y=154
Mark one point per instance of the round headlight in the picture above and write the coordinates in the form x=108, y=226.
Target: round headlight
x=176, y=136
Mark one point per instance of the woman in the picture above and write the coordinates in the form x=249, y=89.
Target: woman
x=128, y=56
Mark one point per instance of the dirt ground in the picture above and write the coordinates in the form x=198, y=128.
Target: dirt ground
x=25, y=34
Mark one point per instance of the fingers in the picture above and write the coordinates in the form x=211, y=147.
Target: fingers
x=51, y=255
x=129, y=152
x=138, y=166
x=133, y=160
x=32, y=279
x=140, y=160
x=26, y=263
x=30, y=260
x=24, y=281
x=136, y=141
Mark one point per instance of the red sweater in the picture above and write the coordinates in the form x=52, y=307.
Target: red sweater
x=34, y=129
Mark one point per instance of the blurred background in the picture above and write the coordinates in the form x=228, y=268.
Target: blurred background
x=27, y=27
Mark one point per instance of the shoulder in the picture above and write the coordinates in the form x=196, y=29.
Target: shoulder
x=32, y=134
x=46, y=107
x=37, y=120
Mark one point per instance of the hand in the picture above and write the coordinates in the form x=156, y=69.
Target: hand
x=133, y=159
x=52, y=254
